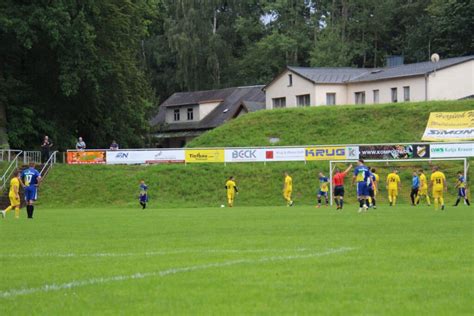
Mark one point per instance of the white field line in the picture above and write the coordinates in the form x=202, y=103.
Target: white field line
x=148, y=253
x=142, y=275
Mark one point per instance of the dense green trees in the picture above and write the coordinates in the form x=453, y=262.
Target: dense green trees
x=99, y=68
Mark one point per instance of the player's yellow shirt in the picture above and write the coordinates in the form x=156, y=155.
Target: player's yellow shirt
x=423, y=183
x=288, y=183
x=376, y=182
x=14, y=186
x=438, y=179
x=230, y=186
x=393, y=180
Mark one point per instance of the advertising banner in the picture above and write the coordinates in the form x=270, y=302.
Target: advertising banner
x=394, y=151
x=86, y=157
x=284, y=154
x=450, y=126
x=204, y=155
x=452, y=150
x=145, y=157
x=325, y=153
x=244, y=155
x=352, y=152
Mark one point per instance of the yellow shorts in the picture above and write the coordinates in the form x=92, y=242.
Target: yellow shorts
x=437, y=193
x=392, y=192
x=287, y=193
x=230, y=196
x=14, y=201
x=423, y=191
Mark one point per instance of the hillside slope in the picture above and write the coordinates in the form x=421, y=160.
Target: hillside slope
x=387, y=123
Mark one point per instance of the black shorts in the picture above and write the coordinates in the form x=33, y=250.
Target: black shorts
x=339, y=191
x=371, y=192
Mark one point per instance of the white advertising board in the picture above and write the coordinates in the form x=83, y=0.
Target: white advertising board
x=452, y=150
x=142, y=157
x=244, y=155
x=285, y=154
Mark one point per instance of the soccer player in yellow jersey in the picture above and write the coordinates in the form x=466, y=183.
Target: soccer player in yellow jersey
x=423, y=188
x=323, y=189
x=232, y=189
x=393, y=185
x=14, y=196
x=438, y=184
x=287, y=189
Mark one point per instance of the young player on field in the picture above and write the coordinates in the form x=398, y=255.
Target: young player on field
x=338, y=182
x=423, y=191
x=288, y=189
x=143, y=196
x=30, y=179
x=438, y=185
x=323, y=189
x=373, y=189
x=363, y=178
x=415, y=186
x=14, y=195
x=232, y=189
x=461, y=186
x=393, y=186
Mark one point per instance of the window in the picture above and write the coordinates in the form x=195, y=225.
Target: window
x=303, y=100
x=406, y=94
x=330, y=98
x=279, y=102
x=394, y=95
x=190, y=114
x=290, y=80
x=376, y=96
x=360, y=97
x=176, y=114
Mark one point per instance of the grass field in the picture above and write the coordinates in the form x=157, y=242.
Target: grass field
x=246, y=260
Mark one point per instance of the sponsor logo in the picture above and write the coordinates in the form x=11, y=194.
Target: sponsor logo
x=244, y=154
x=325, y=153
x=352, y=153
x=450, y=132
x=121, y=155
x=269, y=154
x=421, y=151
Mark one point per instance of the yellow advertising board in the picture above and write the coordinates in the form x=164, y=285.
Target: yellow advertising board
x=204, y=155
x=450, y=126
x=325, y=153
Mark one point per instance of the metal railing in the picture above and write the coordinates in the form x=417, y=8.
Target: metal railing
x=9, y=154
x=10, y=170
x=48, y=164
x=31, y=156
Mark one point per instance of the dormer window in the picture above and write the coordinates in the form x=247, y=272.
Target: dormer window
x=190, y=114
x=290, y=80
x=176, y=115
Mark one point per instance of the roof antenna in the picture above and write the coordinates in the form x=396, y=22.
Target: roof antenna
x=435, y=60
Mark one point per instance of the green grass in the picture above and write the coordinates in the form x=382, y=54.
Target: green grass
x=202, y=185
x=246, y=260
x=388, y=123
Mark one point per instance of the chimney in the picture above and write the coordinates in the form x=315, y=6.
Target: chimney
x=394, y=60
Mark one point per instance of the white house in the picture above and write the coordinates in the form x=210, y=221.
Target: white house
x=448, y=79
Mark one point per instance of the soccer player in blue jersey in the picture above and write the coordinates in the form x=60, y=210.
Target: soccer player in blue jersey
x=143, y=197
x=461, y=185
x=362, y=178
x=30, y=179
x=415, y=186
x=323, y=189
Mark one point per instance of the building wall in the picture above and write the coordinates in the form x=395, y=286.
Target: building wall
x=280, y=89
x=416, y=84
x=183, y=112
x=339, y=89
x=452, y=83
x=206, y=108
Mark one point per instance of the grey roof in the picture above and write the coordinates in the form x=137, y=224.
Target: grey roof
x=253, y=106
x=328, y=74
x=232, y=99
x=348, y=75
x=408, y=70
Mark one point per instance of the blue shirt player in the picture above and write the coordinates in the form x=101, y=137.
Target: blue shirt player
x=415, y=186
x=362, y=178
x=30, y=179
x=461, y=186
x=143, y=197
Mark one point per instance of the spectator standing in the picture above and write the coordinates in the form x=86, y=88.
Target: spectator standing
x=114, y=145
x=80, y=145
x=45, y=148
